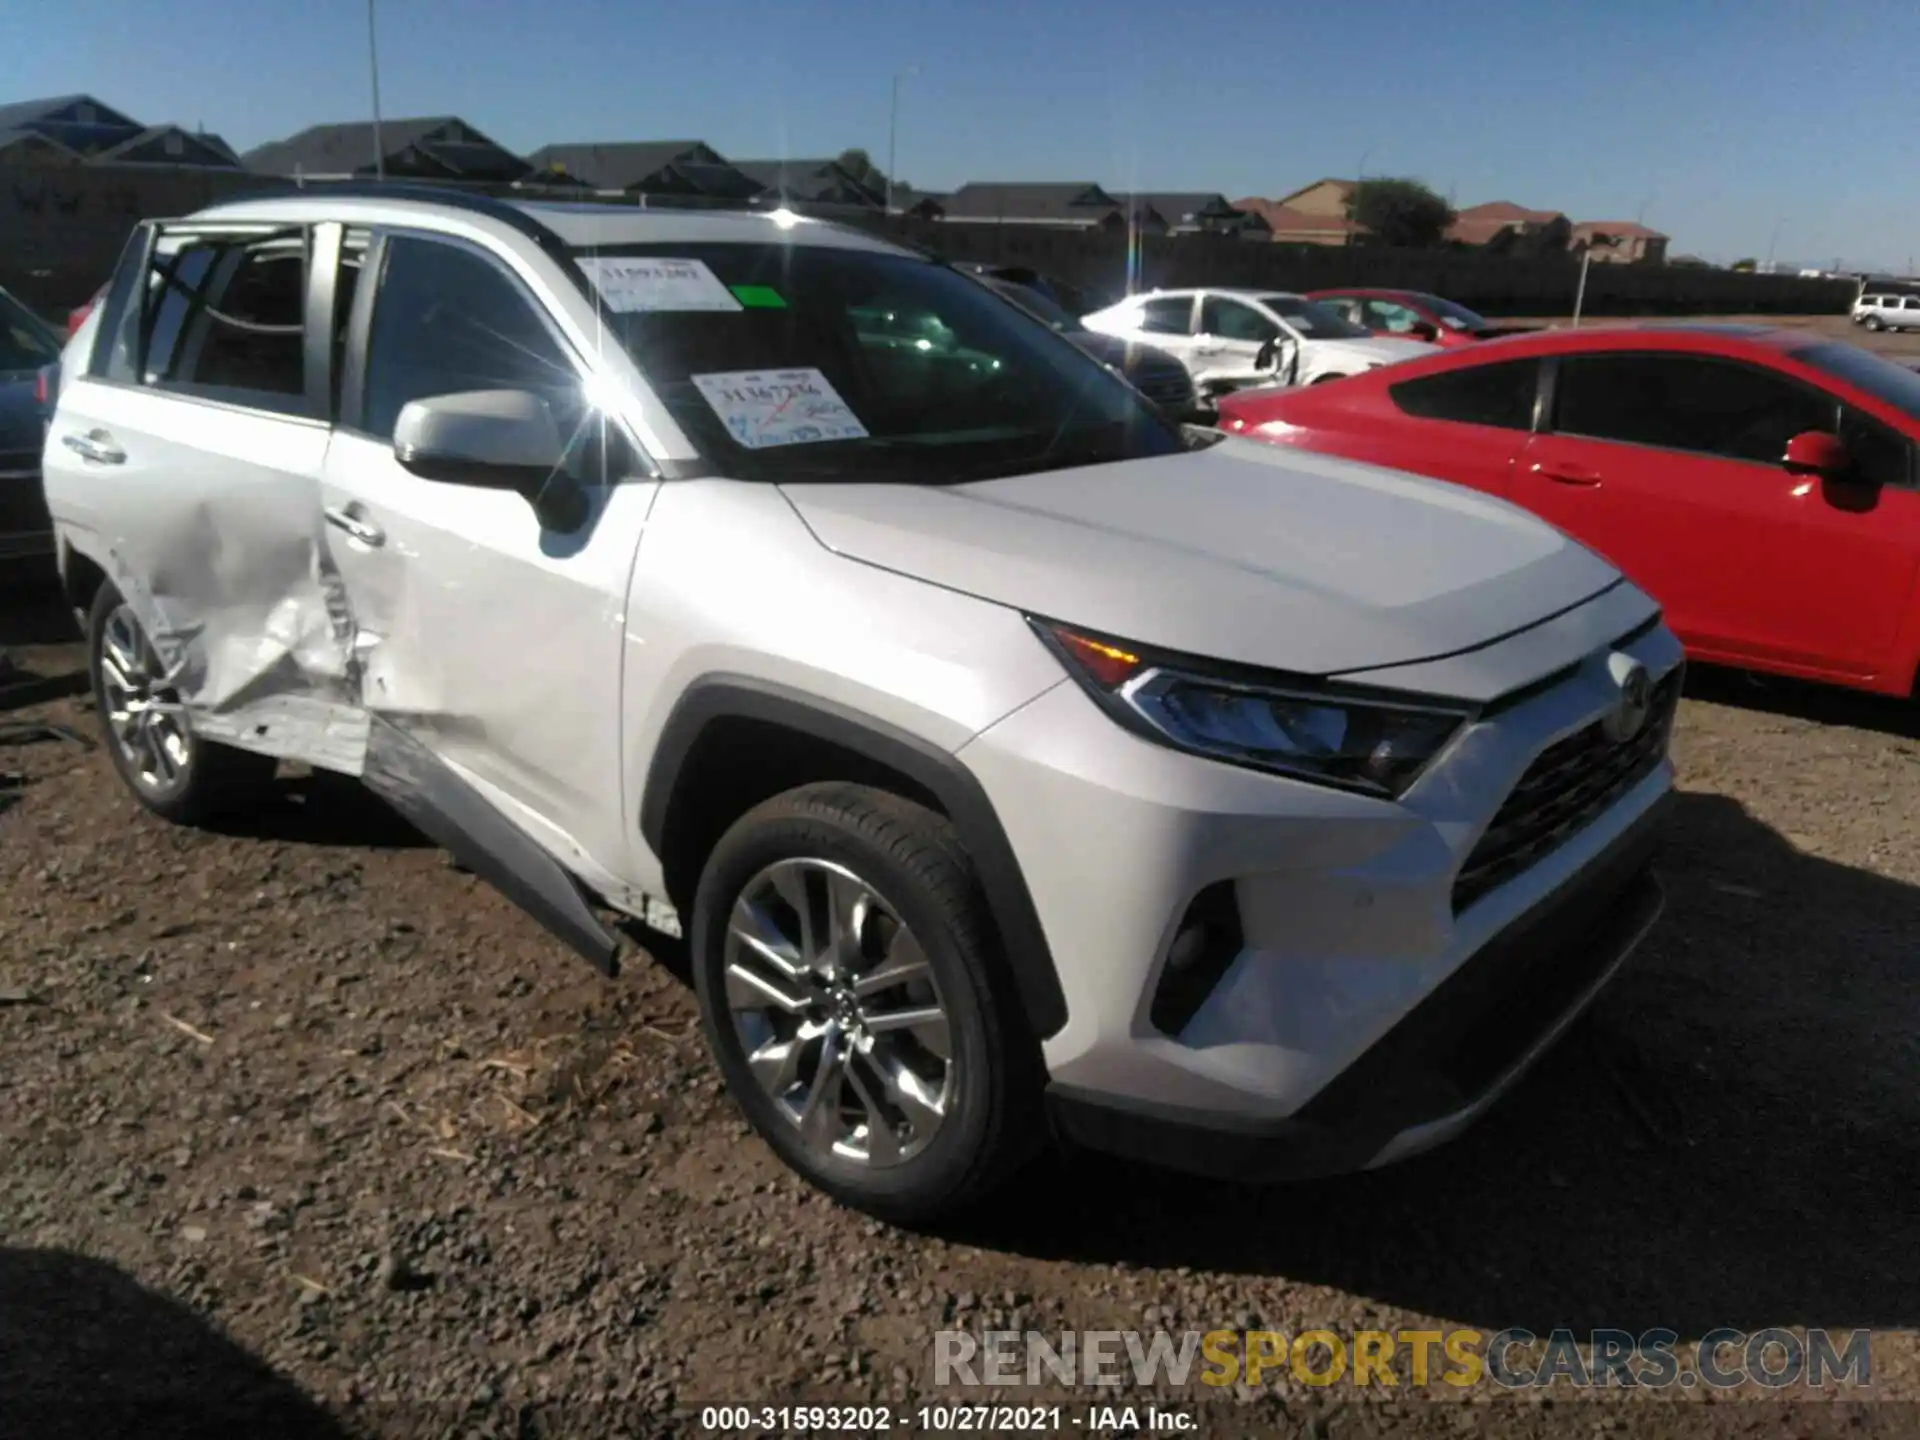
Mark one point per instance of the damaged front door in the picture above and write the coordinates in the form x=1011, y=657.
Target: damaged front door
x=191, y=453
x=489, y=617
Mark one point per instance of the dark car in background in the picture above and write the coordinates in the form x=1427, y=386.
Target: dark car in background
x=27, y=345
x=1155, y=373
x=1415, y=315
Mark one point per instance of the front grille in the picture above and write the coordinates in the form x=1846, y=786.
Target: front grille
x=1569, y=786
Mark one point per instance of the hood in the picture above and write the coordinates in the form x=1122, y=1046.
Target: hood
x=1243, y=552
x=1376, y=349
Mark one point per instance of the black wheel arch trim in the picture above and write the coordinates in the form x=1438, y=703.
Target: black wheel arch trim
x=738, y=697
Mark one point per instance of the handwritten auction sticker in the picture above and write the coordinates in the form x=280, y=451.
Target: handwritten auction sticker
x=650, y=282
x=765, y=408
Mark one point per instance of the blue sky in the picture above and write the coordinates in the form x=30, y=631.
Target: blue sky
x=1719, y=120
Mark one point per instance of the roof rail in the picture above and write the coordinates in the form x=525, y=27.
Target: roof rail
x=493, y=207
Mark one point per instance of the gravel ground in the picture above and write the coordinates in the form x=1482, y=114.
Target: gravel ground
x=308, y=1133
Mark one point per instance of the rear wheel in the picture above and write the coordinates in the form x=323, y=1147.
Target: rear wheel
x=169, y=769
x=853, y=999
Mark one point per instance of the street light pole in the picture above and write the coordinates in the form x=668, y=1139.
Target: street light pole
x=373, y=73
x=893, y=129
x=1359, y=184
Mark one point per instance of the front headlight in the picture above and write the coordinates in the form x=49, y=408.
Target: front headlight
x=1350, y=738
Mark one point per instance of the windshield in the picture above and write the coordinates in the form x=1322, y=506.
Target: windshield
x=1455, y=317
x=811, y=362
x=1862, y=369
x=26, y=341
x=1037, y=305
x=1312, y=319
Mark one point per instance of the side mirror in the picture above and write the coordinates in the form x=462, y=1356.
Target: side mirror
x=1814, y=452
x=493, y=439
x=1422, y=330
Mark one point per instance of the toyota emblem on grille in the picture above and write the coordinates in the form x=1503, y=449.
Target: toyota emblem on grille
x=1629, y=717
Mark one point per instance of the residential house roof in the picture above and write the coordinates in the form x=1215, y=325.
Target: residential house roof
x=150, y=146
x=1078, y=203
x=1620, y=229
x=1194, y=209
x=1478, y=224
x=1287, y=223
x=77, y=114
x=649, y=166
x=1340, y=193
x=819, y=181
x=438, y=144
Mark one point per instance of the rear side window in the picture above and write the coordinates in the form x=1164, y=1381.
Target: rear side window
x=1500, y=395
x=1686, y=402
x=219, y=316
x=1171, y=316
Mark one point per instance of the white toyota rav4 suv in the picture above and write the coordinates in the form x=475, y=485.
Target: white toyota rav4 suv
x=1017, y=763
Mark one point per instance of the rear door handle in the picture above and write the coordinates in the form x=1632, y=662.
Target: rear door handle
x=1565, y=474
x=365, y=531
x=95, y=445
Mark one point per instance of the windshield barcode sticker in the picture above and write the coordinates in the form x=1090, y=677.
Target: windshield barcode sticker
x=641, y=283
x=765, y=408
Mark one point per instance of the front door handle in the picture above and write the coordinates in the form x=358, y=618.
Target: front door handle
x=365, y=531
x=1565, y=474
x=95, y=445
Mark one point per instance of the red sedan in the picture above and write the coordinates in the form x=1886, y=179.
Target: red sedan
x=1412, y=314
x=1760, y=483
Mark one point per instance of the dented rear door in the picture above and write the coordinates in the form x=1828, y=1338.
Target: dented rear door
x=186, y=462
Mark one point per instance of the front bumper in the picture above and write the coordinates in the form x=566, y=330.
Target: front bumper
x=1436, y=1071
x=1316, y=1033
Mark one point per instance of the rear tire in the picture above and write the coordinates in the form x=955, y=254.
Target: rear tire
x=882, y=1054
x=170, y=770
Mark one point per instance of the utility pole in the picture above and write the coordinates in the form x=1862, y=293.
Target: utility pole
x=893, y=130
x=373, y=73
x=1359, y=184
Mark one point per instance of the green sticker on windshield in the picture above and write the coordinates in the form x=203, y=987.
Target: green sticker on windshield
x=760, y=297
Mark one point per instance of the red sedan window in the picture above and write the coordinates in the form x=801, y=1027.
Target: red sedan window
x=1501, y=395
x=1687, y=402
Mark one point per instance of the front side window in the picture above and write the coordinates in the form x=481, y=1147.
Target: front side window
x=219, y=316
x=1232, y=320
x=1394, y=318
x=1887, y=382
x=1500, y=395
x=1312, y=319
x=448, y=320
x=1686, y=402
x=1880, y=454
x=833, y=363
x=1170, y=316
x=1453, y=316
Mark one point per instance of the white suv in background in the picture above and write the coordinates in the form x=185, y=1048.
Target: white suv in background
x=1234, y=339
x=1013, y=760
x=1887, y=312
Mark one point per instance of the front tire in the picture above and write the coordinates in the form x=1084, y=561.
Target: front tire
x=856, y=1004
x=170, y=770
x=1873, y=322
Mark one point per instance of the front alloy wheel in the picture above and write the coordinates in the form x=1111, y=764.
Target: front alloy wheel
x=838, y=1013
x=857, y=1001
